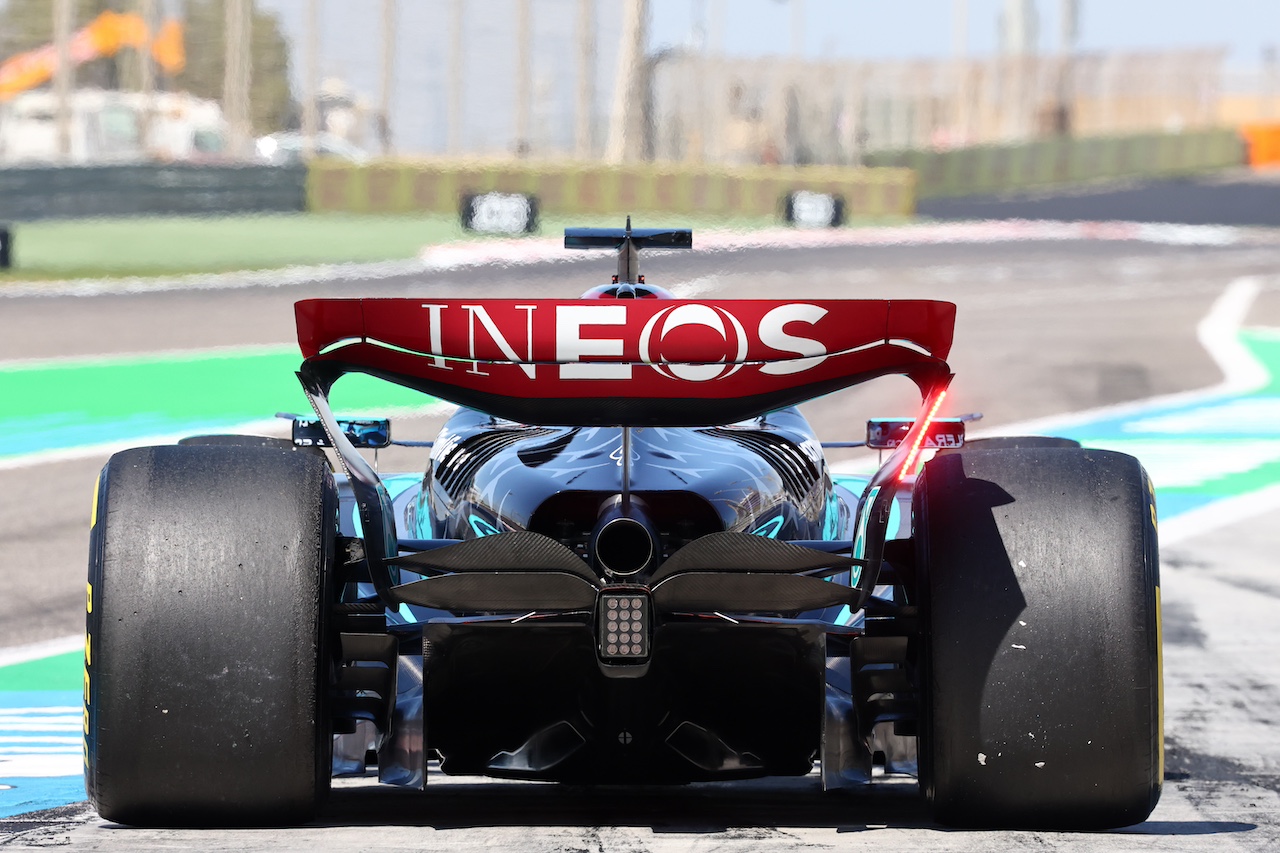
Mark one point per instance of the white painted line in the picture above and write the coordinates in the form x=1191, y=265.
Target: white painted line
x=286, y=277
x=73, y=724
x=262, y=427
x=40, y=651
x=117, y=359
x=1174, y=463
x=1217, y=333
x=41, y=766
x=1219, y=514
x=39, y=750
x=94, y=451
x=529, y=251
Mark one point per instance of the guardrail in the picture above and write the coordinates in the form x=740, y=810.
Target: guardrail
x=573, y=188
x=68, y=192
x=1002, y=168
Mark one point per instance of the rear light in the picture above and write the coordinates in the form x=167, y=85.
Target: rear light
x=623, y=621
x=908, y=466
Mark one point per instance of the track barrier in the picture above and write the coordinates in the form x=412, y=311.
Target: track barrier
x=592, y=189
x=887, y=187
x=76, y=192
x=988, y=169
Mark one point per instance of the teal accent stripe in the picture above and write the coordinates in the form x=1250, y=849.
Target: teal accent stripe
x=51, y=406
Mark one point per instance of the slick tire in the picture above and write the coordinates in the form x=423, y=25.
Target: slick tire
x=1004, y=442
x=1040, y=646
x=206, y=657
x=232, y=440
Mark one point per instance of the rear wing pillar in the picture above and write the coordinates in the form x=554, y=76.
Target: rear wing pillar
x=377, y=516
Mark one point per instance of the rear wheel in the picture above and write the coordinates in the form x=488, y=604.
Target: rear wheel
x=1040, y=638
x=232, y=440
x=1004, y=442
x=207, y=665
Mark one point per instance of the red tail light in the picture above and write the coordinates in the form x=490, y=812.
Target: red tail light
x=922, y=432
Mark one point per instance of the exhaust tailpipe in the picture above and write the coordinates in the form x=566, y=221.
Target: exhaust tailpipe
x=623, y=542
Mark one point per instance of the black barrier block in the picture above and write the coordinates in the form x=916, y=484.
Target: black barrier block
x=72, y=192
x=6, y=247
x=498, y=213
x=813, y=210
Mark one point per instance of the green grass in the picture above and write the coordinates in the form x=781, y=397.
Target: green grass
x=95, y=248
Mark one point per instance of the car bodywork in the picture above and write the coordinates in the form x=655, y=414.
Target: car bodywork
x=639, y=457
x=626, y=561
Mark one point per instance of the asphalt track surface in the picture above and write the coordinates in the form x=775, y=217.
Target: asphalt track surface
x=1043, y=329
x=1233, y=199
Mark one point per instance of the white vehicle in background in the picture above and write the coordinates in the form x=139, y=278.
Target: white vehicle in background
x=109, y=126
x=290, y=147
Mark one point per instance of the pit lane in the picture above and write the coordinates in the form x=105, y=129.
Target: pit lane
x=1043, y=329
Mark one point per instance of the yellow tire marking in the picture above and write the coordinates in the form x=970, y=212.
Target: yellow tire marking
x=1160, y=682
x=1151, y=488
x=88, y=651
x=93, y=513
x=86, y=699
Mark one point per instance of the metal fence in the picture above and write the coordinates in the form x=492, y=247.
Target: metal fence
x=775, y=110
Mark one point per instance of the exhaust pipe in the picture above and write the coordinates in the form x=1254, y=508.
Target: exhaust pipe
x=623, y=542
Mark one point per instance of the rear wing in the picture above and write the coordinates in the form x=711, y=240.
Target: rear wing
x=615, y=238
x=625, y=362
x=620, y=362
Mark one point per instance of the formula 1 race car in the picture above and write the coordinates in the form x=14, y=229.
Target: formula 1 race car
x=627, y=562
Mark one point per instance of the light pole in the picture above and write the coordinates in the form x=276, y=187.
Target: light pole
x=236, y=74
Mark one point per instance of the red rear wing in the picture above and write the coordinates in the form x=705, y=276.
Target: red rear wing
x=625, y=361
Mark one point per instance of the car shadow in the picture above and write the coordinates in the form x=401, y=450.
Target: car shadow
x=710, y=808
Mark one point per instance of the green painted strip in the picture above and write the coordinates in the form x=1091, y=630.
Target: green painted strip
x=1264, y=344
x=60, y=672
x=58, y=406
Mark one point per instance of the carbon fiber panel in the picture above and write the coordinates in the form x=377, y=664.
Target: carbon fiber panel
x=509, y=592
x=518, y=551
x=747, y=593
x=743, y=552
